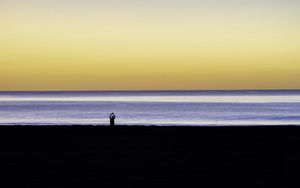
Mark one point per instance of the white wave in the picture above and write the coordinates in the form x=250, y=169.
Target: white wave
x=193, y=99
x=176, y=122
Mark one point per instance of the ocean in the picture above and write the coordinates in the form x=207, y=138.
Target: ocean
x=161, y=108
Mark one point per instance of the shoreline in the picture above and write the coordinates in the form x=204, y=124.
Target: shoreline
x=124, y=125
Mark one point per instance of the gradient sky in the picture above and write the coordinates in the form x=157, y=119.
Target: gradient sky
x=149, y=44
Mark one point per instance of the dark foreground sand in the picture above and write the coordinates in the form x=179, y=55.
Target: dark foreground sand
x=149, y=157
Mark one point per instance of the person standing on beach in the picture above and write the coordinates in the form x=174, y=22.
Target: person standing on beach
x=112, y=118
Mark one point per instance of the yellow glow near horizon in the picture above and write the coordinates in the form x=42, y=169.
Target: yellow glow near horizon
x=93, y=45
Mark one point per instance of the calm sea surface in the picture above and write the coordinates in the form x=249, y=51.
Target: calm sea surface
x=199, y=108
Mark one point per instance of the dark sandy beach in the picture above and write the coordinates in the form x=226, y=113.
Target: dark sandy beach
x=88, y=156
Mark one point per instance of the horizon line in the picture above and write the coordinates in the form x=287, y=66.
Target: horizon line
x=143, y=90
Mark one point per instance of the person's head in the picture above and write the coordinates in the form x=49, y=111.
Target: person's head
x=112, y=115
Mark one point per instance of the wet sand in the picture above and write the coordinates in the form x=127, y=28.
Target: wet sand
x=88, y=156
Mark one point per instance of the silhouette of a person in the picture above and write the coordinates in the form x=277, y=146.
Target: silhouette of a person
x=112, y=118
